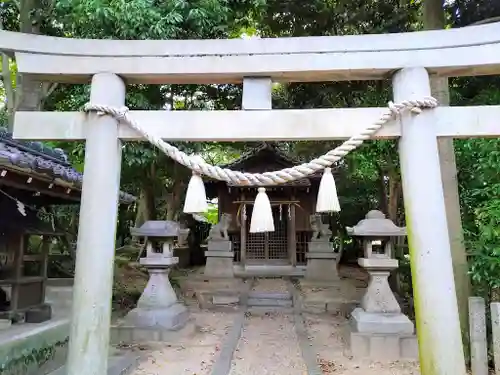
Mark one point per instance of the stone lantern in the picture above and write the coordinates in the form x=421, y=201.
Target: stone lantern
x=380, y=314
x=158, y=306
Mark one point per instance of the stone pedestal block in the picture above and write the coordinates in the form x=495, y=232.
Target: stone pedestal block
x=171, y=318
x=383, y=347
x=379, y=297
x=158, y=305
x=219, y=259
x=321, y=262
x=366, y=322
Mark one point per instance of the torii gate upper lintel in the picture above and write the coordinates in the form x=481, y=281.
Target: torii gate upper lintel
x=468, y=51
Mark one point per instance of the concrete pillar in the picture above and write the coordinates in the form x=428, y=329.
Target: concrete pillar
x=495, y=334
x=478, y=341
x=89, y=334
x=437, y=320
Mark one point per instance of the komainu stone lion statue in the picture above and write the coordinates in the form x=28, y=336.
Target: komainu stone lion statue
x=321, y=231
x=218, y=232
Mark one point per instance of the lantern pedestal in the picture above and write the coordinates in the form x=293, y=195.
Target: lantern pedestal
x=158, y=306
x=379, y=297
x=158, y=316
x=379, y=330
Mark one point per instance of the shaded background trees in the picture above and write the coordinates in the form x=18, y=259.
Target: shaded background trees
x=372, y=172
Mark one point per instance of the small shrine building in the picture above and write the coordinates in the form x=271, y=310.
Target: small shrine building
x=32, y=176
x=292, y=205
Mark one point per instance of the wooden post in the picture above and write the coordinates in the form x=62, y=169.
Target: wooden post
x=495, y=333
x=91, y=317
x=18, y=272
x=437, y=321
x=45, y=262
x=266, y=246
x=292, y=235
x=477, y=332
x=243, y=232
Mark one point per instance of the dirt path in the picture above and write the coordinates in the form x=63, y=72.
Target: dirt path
x=268, y=345
x=281, y=342
x=192, y=356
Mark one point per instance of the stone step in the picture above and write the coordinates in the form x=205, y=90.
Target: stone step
x=270, y=302
x=263, y=310
x=270, y=295
x=117, y=365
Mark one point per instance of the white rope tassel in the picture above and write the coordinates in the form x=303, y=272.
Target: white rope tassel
x=262, y=215
x=328, y=200
x=196, y=197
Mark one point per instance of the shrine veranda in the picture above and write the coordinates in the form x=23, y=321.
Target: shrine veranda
x=409, y=58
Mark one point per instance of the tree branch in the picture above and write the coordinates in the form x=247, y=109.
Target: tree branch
x=8, y=86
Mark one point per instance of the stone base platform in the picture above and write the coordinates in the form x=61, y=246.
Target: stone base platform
x=378, y=323
x=122, y=333
x=382, y=337
x=340, y=297
x=170, y=318
x=383, y=347
x=215, y=293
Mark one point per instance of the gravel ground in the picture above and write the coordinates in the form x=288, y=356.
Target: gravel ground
x=270, y=285
x=194, y=355
x=325, y=333
x=268, y=346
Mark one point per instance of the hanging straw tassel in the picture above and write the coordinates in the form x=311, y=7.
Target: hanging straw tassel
x=262, y=215
x=196, y=197
x=328, y=201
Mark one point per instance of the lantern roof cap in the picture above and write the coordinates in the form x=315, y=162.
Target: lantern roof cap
x=157, y=228
x=375, y=224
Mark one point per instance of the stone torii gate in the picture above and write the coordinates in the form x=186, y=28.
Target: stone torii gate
x=408, y=57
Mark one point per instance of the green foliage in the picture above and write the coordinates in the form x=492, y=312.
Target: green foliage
x=485, y=266
x=212, y=215
x=369, y=178
x=31, y=358
x=478, y=163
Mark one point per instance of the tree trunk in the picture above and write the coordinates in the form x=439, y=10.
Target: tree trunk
x=383, y=193
x=395, y=191
x=29, y=94
x=434, y=18
x=146, y=209
x=173, y=199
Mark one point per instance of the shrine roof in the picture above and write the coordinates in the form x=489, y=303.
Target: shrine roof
x=38, y=158
x=263, y=148
x=267, y=157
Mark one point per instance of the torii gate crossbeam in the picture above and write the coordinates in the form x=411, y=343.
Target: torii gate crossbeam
x=408, y=57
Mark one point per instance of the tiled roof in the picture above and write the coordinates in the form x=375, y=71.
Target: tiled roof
x=39, y=158
x=239, y=164
x=269, y=146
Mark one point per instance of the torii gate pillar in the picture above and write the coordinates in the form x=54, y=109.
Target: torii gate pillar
x=91, y=317
x=437, y=319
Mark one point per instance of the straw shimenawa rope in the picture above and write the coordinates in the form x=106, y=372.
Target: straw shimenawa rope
x=267, y=178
